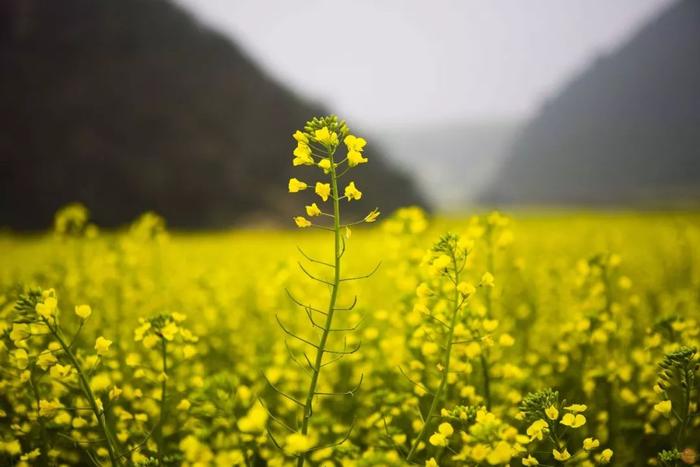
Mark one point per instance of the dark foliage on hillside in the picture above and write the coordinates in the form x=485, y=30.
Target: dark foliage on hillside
x=131, y=105
x=625, y=132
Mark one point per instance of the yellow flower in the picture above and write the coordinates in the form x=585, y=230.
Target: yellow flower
x=150, y=341
x=429, y=348
x=501, y=454
x=487, y=280
x=189, y=351
x=47, y=309
x=79, y=422
x=537, y=429
x=355, y=158
x=473, y=349
x=605, y=456
x=326, y=137
x=83, y=311
x=466, y=288
x=184, y=405
x=302, y=155
x=48, y=408
x=325, y=164
x=141, y=330
x=114, y=393
x=313, y=210
x=663, y=407
x=254, y=421
x=479, y=452
x=323, y=190
x=438, y=439
x=302, y=222
x=552, y=412
x=576, y=408
x=431, y=463
x=59, y=371
x=372, y=216
x=354, y=143
x=441, y=262
x=21, y=359
x=573, y=421
x=423, y=290
x=529, y=460
x=296, y=443
x=490, y=325
x=31, y=455
x=351, y=192
x=300, y=137
x=169, y=330
x=178, y=317
x=100, y=382
x=446, y=429
x=590, y=444
x=561, y=456
x=46, y=360
x=102, y=345
x=296, y=185
x=20, y=331
x=506, y=340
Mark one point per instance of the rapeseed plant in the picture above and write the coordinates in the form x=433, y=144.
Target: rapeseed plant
x=317, y=145
x=37, y=315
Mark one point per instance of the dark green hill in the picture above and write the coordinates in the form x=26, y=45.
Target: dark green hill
x=625, y=132
x=131, y=105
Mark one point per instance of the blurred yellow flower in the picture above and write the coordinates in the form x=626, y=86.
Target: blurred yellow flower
x=487, y=280
x=664, y=407
x=47, y=308
x=590, y=444
x=302, y=222
x=561, y=456
x=83, y=311
x=605, y=456
x=102, y=345
x=372, y=216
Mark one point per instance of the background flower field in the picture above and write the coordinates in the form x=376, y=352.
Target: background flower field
x=586, y=304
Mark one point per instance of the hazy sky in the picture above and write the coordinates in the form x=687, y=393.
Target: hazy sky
x=391, y=62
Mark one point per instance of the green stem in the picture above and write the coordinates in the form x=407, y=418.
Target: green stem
x=680, y=437
x=484, y=358
x=42, y=425
x=308, y=406
x=487, y=378
x=163, y=407
x=446, y=371
x=87, y=391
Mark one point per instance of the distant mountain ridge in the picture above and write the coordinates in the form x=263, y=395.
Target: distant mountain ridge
x=132, y=105
x=626, y=131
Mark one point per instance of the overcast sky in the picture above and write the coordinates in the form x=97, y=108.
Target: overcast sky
x=394, y=62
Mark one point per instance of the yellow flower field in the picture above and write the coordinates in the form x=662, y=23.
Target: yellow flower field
x=538, y=339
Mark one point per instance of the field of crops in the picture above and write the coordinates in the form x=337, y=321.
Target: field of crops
x=543, y=339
